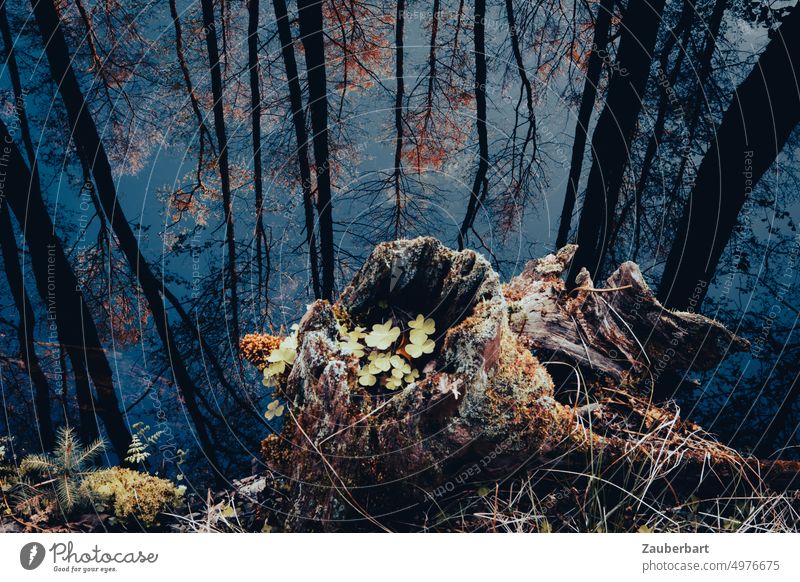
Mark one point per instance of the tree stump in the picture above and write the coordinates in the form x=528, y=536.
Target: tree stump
x=350, y=455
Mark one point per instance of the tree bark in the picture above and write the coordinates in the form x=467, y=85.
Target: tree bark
x=209, y=26
x=90, y=147
x=27, y=323
x=682, y=29
x=16, y=282
x=66, y=307
x=187, y=79
x=398, y=117
x=312, y=37
x=594, y=69
x=480, y=186
x=752, y=133
x=432, y=63
x=614, y=133
x=301, y=136
x=255, y=116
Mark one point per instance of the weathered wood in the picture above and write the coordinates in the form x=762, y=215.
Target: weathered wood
x=350, y=456
x=619, y=331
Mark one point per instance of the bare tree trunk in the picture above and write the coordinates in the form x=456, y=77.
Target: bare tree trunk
x=27, y=323
x=67, y=311
x=210, y=30
x=530, y=136
x=432, y=62
x=682, y=29
x=700, y=97
x=311, y=26
x=10, y=251
x=398, y=117
x=301, y=136
x=752, y=133
x=90, y=147
x=19, y=97
x=480, y=185
x=255, y=115
x=594, y=69
x=203, y=130
x=614, y=132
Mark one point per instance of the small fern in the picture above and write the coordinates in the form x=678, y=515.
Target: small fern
x=140, y=443
x=137, y=451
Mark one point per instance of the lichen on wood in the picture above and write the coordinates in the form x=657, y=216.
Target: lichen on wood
x=350, y=454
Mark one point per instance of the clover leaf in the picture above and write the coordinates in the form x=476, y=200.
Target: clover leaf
x=274, y=410
x=366, y=377
x=352, y=346
x=380, y=361
x=411, y=376
x=285, y=353
x=426, y=326
x=382, y=335
x=419, y=343
x=393, y=383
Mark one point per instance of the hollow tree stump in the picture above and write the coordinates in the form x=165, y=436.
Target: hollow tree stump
x=353, y=454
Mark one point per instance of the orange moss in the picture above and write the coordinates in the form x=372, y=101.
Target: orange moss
x=256, y=348
x=513, y=293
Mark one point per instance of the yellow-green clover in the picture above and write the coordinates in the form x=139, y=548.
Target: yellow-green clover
x=400, y=369
x=352, y=346
x=426, y=326
x=367, y=376
x=356, y=333
x=419, y=343
x=394, y=383
x=284, y=355
x=351, y=343
x=411, y=376
x=380, y=361
x=399, y=366
x=382, y=335
x=279, y=358
x=274, y=410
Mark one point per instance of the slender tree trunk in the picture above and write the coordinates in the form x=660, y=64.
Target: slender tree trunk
x=255, y=115
x=594, y=68
x=203, y=130
x=16, y=282
x=432, y=62
x=479, y=185
x=700, y=97
x=89, y=145
x=398, y=117
x=301, y=136
x=310, y=15
x=210, y=29
x=68, y=315
x=614, y=133
x=752, y=133
x=27, y=323
x=427, y=113
x=19, y=97
x=667, y=99
x=530, y=136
